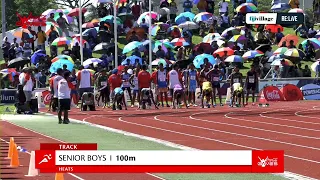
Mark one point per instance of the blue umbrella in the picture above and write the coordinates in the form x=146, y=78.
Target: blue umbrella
x=132, y=60
x=59, y=64
x=36, y=57
x=184, y=17
x=91, y=31
x=199, y=60
x=280, y=7
x=131, y=46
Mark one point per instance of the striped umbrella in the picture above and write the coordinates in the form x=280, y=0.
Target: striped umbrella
x=76, y=40
x=238, y=38
x=234, y=58
x=252, y=54
x=221, y=52
x=281, y=50
x=157, y=27
x=161, y=61
x=20, y=32
x=315, y=42
x=173, y=27
x=234, y=31
x=203, y=16
x=246, y=8
x=184, y=17
x=189, y=25
x=279, y=63
x=65, y=57
x=179, y=42
x=295, y=53
x=69, y=19
x=296, y=10
x=62, y=41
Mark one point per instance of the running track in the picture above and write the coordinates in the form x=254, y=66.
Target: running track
x=290, y=126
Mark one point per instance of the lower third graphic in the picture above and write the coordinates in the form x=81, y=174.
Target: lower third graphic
x=268, y=162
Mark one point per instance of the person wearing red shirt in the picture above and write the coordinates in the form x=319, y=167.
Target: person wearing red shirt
x=144, y=78
x=136, y=10
x=114, y=81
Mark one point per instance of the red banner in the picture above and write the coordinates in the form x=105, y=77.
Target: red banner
x=68, y=146
x=272, y=93
x=268, y=161
x=291, y=93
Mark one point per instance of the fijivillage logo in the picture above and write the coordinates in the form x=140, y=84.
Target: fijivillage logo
x=30, y=20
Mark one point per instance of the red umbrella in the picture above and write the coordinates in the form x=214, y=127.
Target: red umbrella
x=288, y=38
x=221, y=52
x=75, y=12
x=274, y=28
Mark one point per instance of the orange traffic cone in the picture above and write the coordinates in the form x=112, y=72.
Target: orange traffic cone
x=59, y=176
x=11, y=144
x=32, y=167
x=15, y=157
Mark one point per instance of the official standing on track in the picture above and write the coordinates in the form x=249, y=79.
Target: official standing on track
x=64, y=98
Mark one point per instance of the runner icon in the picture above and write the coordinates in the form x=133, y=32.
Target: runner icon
x=46, y=158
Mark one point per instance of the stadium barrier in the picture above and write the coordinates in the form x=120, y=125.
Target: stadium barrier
x=310, y=88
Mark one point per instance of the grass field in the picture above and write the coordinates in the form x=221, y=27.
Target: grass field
x=112, y=141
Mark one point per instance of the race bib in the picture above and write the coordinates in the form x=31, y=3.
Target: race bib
x=251, y=79
x=125, y=83
x=162, y=79
x=236, y=80
x=193, y=77
x=215, y=78
x=103, y=83
x=73, y=82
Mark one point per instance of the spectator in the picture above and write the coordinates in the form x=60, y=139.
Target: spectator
x=225, y=21
x=63, y=24
x=144, y=25
x=294, y=3
x=136, y=52
x=173, y=10
x=66, y=51
x=187, y=5
x=102, y=11
x=134, y=37
x=180, y=54
x=122, y=8
x=306, y=71
x=136, y=10
x=291, y=44
x=276, y=72
x=42, y=37
x=27, y=51
x=223, y=7
x=164, y=4
x=160, y=53
x=311, y=33
x=284, y=69
x=51, y=18
x=310, y=50
x=12, y=52
x=210, y=7
x=30, y=39
x=279, y=36
x=19, y=51
x=170, y=55
x=43, y=79
x=202, y=6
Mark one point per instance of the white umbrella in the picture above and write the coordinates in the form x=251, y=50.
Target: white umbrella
x=276, y=62
x=87, y=62
x=48, y=12
x=188, y=25
x=273, y=58
x=314, y=66
x=164, y=11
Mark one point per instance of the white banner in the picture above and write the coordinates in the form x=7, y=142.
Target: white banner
x=153, y=157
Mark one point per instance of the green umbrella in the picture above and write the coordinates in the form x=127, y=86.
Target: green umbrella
x=109, y=19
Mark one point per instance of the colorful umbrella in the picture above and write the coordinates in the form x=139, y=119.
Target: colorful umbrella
x=295, y=53
x=76, y=40
x=238, y=38
x=48, y=12
x=63, y=57
x=315, y=42
x=161, y=61
x=210, y=37
x=131, y=60
x=56, y=28
x=69, y=19
x=90, y=25
x=246, y=8
x=164, y=11
x=140, y=32
x=87, y=62
x=95, y=20
x=147, y=17
x=75, y=11
x=280, y=7
x=275, y=57
x=157, y=27
x=184, y=17
x=221, y=52
x=202, y=17
x=296, y=10
x=131, y=46
x=281, y=50
x=252, y=54
x=274, y=28
x=278, y=62
x=315, y=65
x=179, y=42
x=110, y=19
x=20, y=32
x=61, y=41
x=199, y=60
x=234, y=31
x=102, y=48
x=59, y=64
x=188, y=25
x=288, y=38
x=35, y=58
x=92, y=31
x=234, y=58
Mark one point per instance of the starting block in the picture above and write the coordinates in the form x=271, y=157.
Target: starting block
x=264, y=105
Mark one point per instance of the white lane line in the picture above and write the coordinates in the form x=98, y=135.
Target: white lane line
x=71, y=174
x=236, y=134
x=304, y=116
x=247, y=127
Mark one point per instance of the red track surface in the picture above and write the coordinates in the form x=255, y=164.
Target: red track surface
x=290, y=126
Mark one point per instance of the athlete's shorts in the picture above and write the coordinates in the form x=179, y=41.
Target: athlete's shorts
x=192, y=88
x=251, y=86
x=215, y=84
x=74, y=92
x=162, y=90
x=135, y=91
x=126, y=88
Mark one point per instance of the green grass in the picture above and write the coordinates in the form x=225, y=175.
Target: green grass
x=80, y=133
x=3, y=108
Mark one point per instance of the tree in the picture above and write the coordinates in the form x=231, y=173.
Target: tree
x=73, y=3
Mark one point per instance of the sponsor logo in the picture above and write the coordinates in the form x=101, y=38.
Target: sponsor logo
x=310, y=92
x=30, y=20
x=261, y=18
x=273, y=95
x=7, y=98
x=267, y=162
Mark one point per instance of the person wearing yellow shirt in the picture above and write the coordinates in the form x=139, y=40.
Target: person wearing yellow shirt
x=294, y=3
x=202, y=5
x=206, y=92
x=42, y=37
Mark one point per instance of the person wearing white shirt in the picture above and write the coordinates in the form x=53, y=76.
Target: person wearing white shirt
x=174, y=78
x=64, y=98
x=54, y=88
x=84, y=81
x=223, y=7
